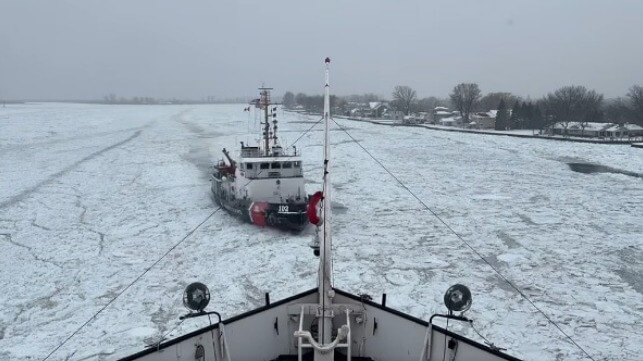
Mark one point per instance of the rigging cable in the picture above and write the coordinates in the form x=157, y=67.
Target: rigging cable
x=158, y=344
x=306, y=132
x=132, y=283
x=516, y=288
x=491, y=344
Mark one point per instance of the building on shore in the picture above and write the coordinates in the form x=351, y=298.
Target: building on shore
x=483, y=120
x=624, y=130
x=595, y=130
x=390, y=114
x=440, y=113
x=451, y=121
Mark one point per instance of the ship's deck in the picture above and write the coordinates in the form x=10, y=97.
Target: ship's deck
x=377, y=332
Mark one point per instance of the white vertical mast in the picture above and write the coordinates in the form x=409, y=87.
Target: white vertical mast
x=324, y=347
x=264, y=104
x=325, y=282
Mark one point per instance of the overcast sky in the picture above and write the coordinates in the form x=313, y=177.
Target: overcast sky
x=85, y=49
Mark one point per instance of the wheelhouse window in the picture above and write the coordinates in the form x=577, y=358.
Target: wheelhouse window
x=297, y=164
x=265, y=166
x=287, y=165
x=248, y=165
x=275, y=165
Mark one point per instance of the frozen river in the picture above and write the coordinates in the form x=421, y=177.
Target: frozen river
x=91, y=196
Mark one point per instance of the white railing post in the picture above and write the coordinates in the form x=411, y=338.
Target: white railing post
x=225, y=354
x=426, y=349
x=301, y=328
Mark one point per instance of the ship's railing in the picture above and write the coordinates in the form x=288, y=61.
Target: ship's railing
x=268, y=175
x=251, y=154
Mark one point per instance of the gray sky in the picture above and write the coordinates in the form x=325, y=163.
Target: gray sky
x=194, y=48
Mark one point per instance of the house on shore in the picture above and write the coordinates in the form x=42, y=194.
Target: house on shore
x=453, y=121
x=390, y=114
x=483, y=120
x=413, y=119
x=424, y=116
x=377, y=109
x=624, y=130
x=440, y=113
x=596, y=130
x=357, y=112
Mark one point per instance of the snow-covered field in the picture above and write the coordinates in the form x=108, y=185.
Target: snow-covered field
x=91, y=196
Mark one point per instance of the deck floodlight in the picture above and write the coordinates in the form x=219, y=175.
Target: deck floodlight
x=457, y=298
x=196, y=296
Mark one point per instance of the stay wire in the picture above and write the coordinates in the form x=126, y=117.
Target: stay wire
x=306, y=132
x=516, y=288
x=131, y=284
x=491, y=344
x=158, y=344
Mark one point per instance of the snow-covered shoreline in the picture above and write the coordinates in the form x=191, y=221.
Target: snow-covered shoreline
x=519, y=133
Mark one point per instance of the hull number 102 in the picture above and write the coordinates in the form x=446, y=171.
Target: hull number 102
x=283, y=209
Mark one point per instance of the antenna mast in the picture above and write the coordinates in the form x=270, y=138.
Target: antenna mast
x=326, y=292
x=324, y=347
x=264, y=103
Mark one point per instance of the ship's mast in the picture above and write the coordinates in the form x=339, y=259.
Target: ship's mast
x=325, y=268
x=264, y=102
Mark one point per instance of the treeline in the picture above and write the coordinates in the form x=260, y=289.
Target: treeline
x=523, y=115
x=113, y=99
x=312, y=103
x=342, y=105
x=565, y=105
x=572, y=104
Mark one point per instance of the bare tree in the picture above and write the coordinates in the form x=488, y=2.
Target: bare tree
x=288, y=100
x=491, y=101
x=339, y=105
x=110, y=99
x=617, y=111
x=636, y=103
x=429, y=104
x=464, y=97
x=404, y=97
x=574, y=104
x=502, y=117
x=301, y=99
